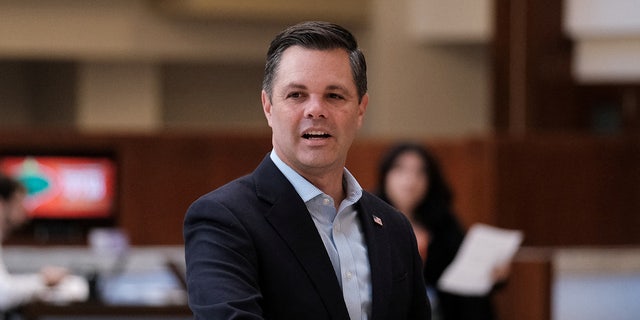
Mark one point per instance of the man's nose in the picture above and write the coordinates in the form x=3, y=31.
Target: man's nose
x=316, y=108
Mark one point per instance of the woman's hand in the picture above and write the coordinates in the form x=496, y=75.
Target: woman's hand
x=53, y=275
x=501, y=272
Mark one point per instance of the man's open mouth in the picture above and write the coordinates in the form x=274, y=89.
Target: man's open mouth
x=316, y=135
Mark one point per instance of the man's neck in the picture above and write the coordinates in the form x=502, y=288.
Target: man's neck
x=331, y=184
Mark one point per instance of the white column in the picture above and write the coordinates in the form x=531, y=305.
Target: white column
x=607, y=39
x=119, y=96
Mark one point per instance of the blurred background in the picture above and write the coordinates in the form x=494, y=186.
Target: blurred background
x=531, y=106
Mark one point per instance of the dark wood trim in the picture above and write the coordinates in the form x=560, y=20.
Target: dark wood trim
x=533, y=90
x=38, y=311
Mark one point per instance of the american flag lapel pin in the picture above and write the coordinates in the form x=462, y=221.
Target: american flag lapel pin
x=377, y=220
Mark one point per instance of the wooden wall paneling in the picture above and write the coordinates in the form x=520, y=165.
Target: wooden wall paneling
x=569, y=191
x=527, y=295
x=159, y=177
x=551, y=88
x=236, y=156
x=559, y=189
x=470, y=170
x=165, y=174
x=364, y=159
x=533, y=85
x=509, y=67
x=500, y=57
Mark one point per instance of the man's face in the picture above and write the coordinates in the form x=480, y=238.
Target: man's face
x=314, y=111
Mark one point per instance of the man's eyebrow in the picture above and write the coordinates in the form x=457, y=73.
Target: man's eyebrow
x=337, y=87
x=299, y=86
x=294, y=85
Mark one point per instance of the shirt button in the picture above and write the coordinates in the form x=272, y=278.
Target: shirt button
x=349, y=275
x=326, y=201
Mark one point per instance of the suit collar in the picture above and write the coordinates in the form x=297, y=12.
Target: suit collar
x=377, y=238
x=289, y=216
x=291, y=219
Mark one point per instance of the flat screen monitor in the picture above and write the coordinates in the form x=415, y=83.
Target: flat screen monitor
x=65, y=187
x=67, y=194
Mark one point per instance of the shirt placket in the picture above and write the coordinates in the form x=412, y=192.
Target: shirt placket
x=348, y=274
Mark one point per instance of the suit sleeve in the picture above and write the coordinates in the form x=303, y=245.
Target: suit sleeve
x=221, y=264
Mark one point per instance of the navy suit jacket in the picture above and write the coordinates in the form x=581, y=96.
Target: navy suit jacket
x=253, y=252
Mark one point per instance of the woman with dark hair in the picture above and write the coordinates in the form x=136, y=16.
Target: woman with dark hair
x=16, y=290
x=410, y=180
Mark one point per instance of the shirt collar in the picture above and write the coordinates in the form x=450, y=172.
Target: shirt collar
x=307, y=191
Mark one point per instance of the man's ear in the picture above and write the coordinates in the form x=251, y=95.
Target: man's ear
x=362, y=108
x=266, y=106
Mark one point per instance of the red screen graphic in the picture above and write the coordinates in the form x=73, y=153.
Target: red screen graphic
x=65, y=187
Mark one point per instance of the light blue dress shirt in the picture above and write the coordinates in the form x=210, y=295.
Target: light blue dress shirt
x=342, y=235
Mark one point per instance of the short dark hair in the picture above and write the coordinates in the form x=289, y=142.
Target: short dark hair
x=316, y=35
x=9, y=187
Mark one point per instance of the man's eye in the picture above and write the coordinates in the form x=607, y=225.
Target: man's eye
x=336, y=96
x=294, y=95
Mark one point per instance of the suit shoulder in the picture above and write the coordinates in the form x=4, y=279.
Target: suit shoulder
x=375, y=200
x=379, y=206
x=229, y=192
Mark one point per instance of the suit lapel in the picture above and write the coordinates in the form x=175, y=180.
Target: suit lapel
x=290, y=217
x=379, y=256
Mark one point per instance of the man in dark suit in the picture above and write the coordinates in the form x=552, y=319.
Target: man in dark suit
x=298, y=238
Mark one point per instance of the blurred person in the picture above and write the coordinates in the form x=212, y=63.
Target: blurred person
x=298, y=238
x=410, y=179
x=17, y=290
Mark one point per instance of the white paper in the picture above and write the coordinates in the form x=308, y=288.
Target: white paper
x=483, y=249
